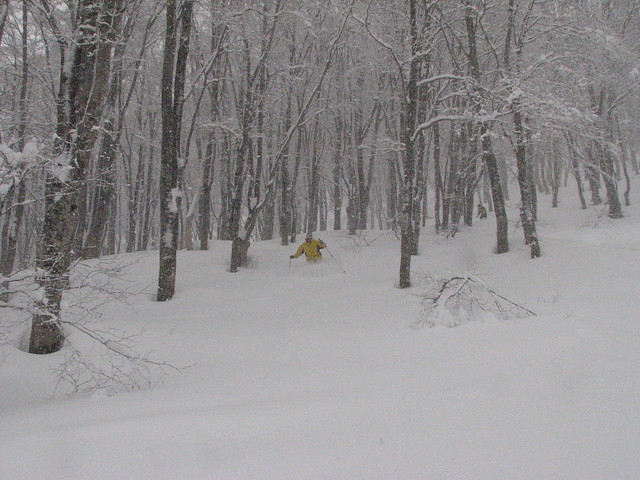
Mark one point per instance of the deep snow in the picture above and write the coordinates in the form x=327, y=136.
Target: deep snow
x=306, y=372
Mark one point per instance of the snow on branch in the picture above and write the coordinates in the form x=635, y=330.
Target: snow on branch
x=438, y=78
x=457, y=300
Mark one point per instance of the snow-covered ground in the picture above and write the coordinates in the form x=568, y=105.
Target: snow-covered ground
x=312, y=372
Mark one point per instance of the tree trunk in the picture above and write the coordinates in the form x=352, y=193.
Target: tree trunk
x=488, y=155
x=64, y=201
x=151, y=201
x=526, y=215
x=284, y=217
x=7, y=255
x=593, y=176
x=634, y=160
x=437, y=173
x=555, y=170
x=314, y=181
x=337, y=174
x=451, y=176
x=352, y=198
x=575, y=169
x=410, y=113
x=392, y=194
x=608, y=176
x=417, y=194
x=294, y=181
x=502, y=233
x=172, y=101
x=204, y=207
x=105, y=188
x=526, y=211
x=226, y=182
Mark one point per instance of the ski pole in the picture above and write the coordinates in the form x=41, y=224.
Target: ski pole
x=334, y=259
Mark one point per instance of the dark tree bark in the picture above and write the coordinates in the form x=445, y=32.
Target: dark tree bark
x=555, y=176
x=337, y=173
x=410, y=113
x=392, y=193
x=293, y=231
x=168, y=165
x=313, y=178
x=437, y=173
x=204, y=207
x=224, y=229
x=172, y=103
x=284, y=217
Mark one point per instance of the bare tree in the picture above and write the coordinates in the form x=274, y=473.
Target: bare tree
x=173, y=81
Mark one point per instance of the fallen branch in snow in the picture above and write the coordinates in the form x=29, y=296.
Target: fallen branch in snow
x=457, y=300
x=114, y=365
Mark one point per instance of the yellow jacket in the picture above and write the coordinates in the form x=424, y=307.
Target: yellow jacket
x=311, y=250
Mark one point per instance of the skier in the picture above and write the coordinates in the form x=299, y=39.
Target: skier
x=311, y=248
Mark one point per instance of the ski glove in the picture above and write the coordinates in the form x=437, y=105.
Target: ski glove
x=292, y=256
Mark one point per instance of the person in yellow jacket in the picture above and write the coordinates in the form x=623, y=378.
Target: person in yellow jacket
x=311, y=248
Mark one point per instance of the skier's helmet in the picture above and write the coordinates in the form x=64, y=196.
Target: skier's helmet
x=309, y=237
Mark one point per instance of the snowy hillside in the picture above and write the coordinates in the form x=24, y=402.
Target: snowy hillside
x=330, y=372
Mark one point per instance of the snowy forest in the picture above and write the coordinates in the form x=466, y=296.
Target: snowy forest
x=137, y=125
x=463, y=159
